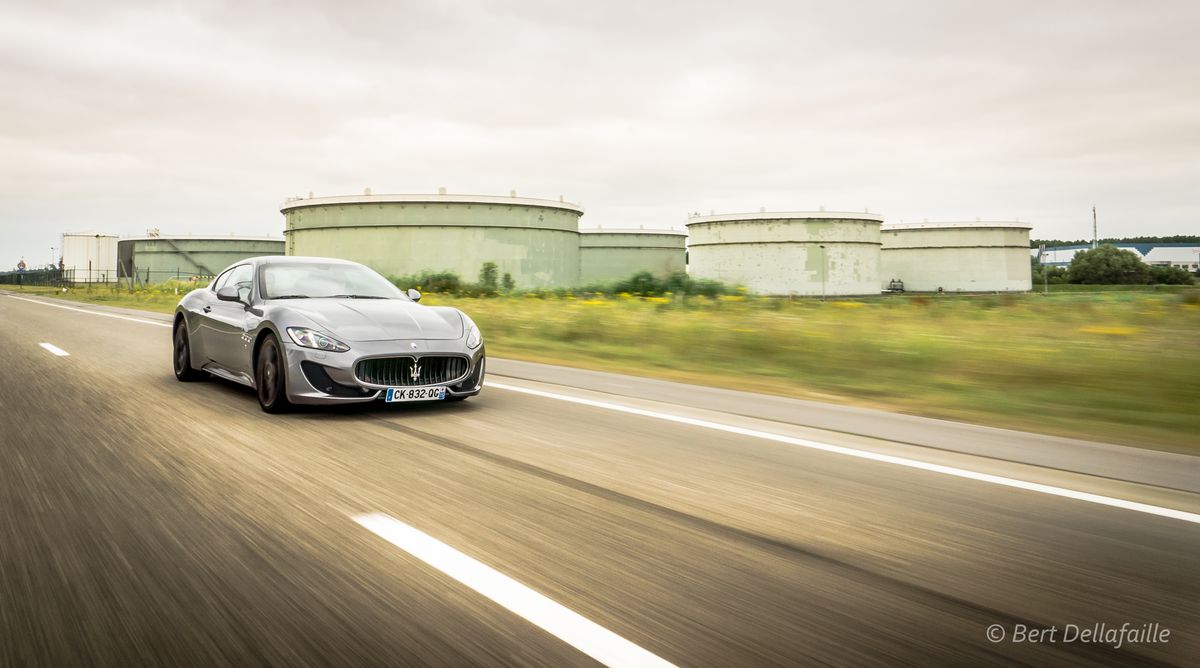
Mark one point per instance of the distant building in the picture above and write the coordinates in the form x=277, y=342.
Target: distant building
x=1185, y=256
x=89, y=257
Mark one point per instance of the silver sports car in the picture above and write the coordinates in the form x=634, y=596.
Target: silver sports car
x=308, y=330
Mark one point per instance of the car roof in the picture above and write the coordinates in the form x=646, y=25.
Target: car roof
x=299, y=259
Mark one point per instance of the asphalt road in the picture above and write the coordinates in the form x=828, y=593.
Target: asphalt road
x=145, y=521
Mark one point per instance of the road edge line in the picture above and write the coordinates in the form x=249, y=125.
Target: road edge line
x=954, y=471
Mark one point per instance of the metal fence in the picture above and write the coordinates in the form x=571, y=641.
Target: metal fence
x=50, y=277
x=85, y=277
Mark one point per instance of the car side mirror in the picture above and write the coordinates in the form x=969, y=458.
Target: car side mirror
x=414, y=295
x=229, y=293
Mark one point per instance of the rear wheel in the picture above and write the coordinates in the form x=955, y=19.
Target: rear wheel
x=181, y=355
x=270, y=377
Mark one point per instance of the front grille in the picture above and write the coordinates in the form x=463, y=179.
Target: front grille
x=399, y=371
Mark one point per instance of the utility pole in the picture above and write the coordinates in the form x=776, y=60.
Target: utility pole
x=823, y=264
x=1095, y=236
x=1045, y=274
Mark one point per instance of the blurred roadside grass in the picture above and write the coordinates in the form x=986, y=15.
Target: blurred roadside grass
x=1117, y=367
x=1120, y=367
x=160, y=297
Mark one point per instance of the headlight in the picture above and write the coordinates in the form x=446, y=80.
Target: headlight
x=474, y=338
x=311, y=338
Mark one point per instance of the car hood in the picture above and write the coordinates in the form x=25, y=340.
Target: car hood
x=381, y=319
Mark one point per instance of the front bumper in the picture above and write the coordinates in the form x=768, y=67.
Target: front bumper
x=321, y=377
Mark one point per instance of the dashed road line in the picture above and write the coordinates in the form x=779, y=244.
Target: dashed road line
x=565, y=624
x=54, y=349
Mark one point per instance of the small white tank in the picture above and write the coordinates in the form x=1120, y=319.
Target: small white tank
x=788, y=253
x=957, y=257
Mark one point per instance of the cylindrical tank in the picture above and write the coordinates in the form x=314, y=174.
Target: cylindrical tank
x=957, y=257
x=612, y=255
x=154, y=259
x=88, y=257
x=534, y=240
x=788, y=253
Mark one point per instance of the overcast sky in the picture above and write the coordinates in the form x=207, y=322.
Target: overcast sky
x=201, y=117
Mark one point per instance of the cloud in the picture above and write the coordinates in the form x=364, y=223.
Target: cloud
x=202, y=117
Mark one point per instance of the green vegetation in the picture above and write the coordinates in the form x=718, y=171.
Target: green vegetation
x=489, y=279
x=1118, y=366
x=1109, y=266
x=1080, y=288
x=160, y=298
x=641, y=284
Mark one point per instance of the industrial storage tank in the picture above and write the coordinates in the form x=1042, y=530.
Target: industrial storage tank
x=157, y=258
x=534, y=240
x=788, y=253
x=957, y=257
x=612, y=255
x=89, y=257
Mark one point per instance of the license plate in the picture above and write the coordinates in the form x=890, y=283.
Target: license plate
x=415, y=394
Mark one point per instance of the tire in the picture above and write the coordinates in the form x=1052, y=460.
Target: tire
x=270, y=377
x=181, y=355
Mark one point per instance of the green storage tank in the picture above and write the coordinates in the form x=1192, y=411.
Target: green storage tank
x=534, y=240
x=612, y=255
x=154, y=259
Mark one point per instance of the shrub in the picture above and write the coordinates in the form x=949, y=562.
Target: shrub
x=489, y=278
x=1160, y=275
x=430, y=281
x=1108, y=265
x=642, y=284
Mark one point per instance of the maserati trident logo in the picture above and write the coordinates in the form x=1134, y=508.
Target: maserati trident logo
x=415, y=373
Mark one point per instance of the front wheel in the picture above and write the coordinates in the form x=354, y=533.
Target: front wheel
x=181, y=355
x=270, y=377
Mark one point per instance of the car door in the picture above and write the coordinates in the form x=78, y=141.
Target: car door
x=225, y=341
x=200, y=329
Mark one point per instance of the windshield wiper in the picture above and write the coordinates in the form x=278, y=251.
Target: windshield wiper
x=357, y=297
x=289, y=297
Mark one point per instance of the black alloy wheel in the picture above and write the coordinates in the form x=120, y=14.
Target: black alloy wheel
x=270, y=377
x=181, y=355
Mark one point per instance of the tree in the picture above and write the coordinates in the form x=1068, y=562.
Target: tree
x=1108, y=265
x=489, y=277
x=508, y=282
x=1162, y=275
x=1051, y=275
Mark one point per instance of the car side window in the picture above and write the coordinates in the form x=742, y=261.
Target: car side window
x=220, y=280
x=241, y=277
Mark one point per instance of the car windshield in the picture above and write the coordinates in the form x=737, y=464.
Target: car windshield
x=304, y=280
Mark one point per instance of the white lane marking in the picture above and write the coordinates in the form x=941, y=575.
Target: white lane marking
x=867, y=454
x=91, y=312
x=54, y=349
x=570, y=627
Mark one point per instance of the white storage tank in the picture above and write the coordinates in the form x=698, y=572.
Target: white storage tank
x=788, y=253
x=957, y=257
x=89, y=257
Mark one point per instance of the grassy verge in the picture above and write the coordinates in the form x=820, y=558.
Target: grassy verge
x=1081, y=287
x=1114, y=367
x=1120, y=367
x=160, y=299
